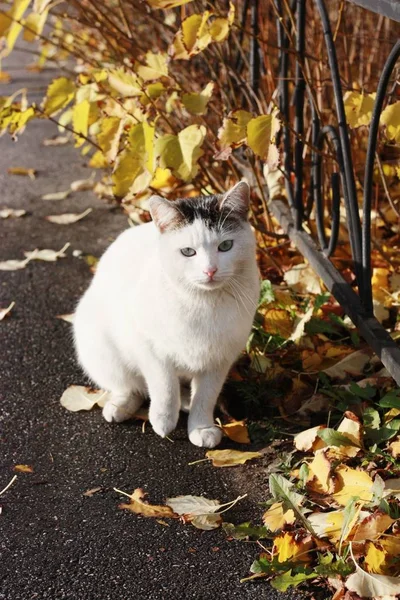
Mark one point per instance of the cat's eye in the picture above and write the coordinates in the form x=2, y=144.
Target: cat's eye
x=188, y=251
x=225, y=246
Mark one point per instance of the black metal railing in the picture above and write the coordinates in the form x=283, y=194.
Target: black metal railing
x=357, y=299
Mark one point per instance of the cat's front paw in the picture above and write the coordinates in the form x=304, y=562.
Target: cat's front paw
x=206, y=437
x=121, y=408
x=163, y=424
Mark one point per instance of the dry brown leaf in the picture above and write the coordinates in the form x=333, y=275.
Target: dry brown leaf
x=230, y=458
x=5, y=77
x=6, y=311
x=302, y=279
x=68, y=218
x=78, y=397
x=138, y=506
x=92, y=491
x=367, y=585
x=394, y=448
x=31, y=173
x=236, y=431
x=275, y=518
x=277, y=321
x=68, y=318
x=372, y=526
x=6, y=213
x=23, y=469
x=352, y=365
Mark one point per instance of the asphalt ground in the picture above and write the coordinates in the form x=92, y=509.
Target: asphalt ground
x=56, y=543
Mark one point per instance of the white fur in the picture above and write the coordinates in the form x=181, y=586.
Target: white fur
x=150, y=319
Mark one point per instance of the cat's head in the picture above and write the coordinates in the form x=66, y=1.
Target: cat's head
x=207, y=240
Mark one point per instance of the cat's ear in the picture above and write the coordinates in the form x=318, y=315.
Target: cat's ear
x=237, y=199
x=164, y=214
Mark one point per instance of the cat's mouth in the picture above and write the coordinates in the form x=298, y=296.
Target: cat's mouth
x=210, y=284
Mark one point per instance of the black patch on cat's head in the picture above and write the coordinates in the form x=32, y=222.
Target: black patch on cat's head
x=208, y=209
x=220, y=212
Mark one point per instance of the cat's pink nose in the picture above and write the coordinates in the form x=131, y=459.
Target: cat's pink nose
x=210, y=271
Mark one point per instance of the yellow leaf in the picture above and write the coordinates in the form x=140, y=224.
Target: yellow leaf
x=23, y=469
x=237, y=431
x=180, y=153
x=380, y=285
x=138, y=506
x=220, y=27
x=330, y=524
x=163, y=178
x=230, y=458
x=33, y=25
x=352, y=483
x=14, y=14
x=197, y=103
x=320, y=477
x=31, y=173
x=391, y=118
x=260, y=132
x=375, y=558
x=156, y=66
x=167, y=3
x=5, y=77
x=135, y=164
x=125, y=83
x=233, y=131
x=275, y=518
x=351, y=428
x=277, y=321
x=98, y=161
x=193, y=36
x=80, y=120
x=129, y=167
x=152, y=91
x=358, y=108
x=59, y=93
x=110, y=130
x=286, y=547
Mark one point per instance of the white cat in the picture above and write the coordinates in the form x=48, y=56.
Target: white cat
x=172, y=301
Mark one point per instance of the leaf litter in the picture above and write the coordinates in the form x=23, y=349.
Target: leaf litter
x=46, y=255
x=6, y=213
x=68, y=218
x=4, y=312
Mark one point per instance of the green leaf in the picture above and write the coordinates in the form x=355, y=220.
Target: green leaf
x=317, y=325
x=287, y=580
x=266, y=293
x=282, y=489
x=348, y=516
x=390, y=400
x=371, y=418
x=321, y=299
x=366, y=393
x=331, y=437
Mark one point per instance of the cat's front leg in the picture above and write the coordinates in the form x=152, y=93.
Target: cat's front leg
x=205, y=391
x=164, y=391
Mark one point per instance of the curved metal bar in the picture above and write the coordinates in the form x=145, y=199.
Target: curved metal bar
x=349, y=189
x=283, y=44
x=368, y=175
x=337, y=178
x=299, y=112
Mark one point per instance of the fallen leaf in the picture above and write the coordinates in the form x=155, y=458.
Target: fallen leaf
x=57, y=195
x=375, y=558
x=300, y=324
x=192, y=505
x=31, y=173
x=46, y=254
x=138, y=506
x=6, y=311
x=372, y=526
x=78, y=397
x=68, y=218
x=276, y=517
x=330, y=524
x=287, y=547
x=236, y=431
x=320, y=478
x=59, y=140
x=68, y=318
x=352, y=483
x=367, y=585
x=207, y=522
x=394, y=448
x=13, y=265
x=5, y=77
x=303, y=280
x=23, y=469
x=81, y=185
x=352, y=365
x=230, y=458
x=6, y=213
x=92, y=491
x=308, y=439
x=277, y=321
